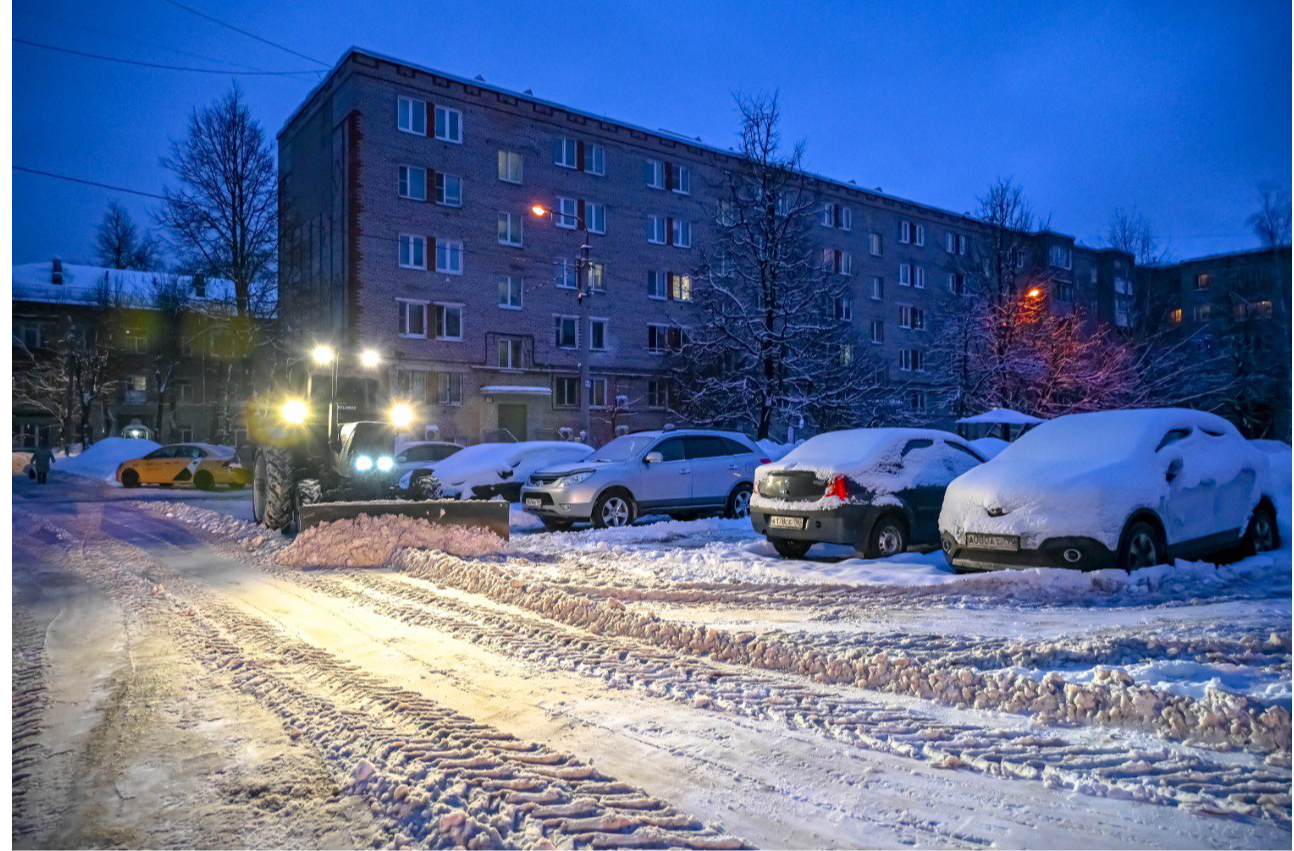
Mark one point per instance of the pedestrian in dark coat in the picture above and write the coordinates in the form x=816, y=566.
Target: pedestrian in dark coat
x=41, y=460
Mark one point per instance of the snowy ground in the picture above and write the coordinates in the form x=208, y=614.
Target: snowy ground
x=675, y=683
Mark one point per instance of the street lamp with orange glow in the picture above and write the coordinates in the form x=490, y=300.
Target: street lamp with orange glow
x=582, y=290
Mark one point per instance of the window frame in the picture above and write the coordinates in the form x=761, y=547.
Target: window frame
x=561, y=320
x=604, y=324
x=505, y=161
x=448, y=111
x=442, y=190
x=442, y=312
x=401, y=100
x=507, y=283
x=506, y=221
x=414, y=239
x=402, y=306
x=405, y=183
x=448, y=245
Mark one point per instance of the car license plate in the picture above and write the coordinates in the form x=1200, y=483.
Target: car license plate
x=1004, y=543
x=534, y=502
x=786, y=522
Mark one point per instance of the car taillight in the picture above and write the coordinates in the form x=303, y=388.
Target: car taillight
x=766, y=460
x=836, y=488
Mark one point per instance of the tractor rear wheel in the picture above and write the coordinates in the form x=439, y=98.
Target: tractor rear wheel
x=425, y=486
x=273, y=491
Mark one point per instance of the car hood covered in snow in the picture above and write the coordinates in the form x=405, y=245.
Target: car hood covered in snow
x=492, y=463
x=1085, y=474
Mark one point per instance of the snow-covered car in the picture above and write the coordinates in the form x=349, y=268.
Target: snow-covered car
x=423, y=454
x=680, y=472
x=876, y=489
x=490, y=470
x=1130, y=489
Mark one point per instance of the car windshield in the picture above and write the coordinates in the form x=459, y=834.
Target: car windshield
x=622, y=449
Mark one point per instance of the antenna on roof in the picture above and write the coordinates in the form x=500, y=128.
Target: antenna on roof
x=528, y=92
x=478, y=78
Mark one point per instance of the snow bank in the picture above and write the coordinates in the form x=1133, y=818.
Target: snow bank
x=775, y=451
x=372, y=541
x=101, y=460
x=1280, y=461
x=20, y=462
x=493, y=463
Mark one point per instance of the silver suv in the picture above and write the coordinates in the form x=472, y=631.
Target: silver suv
x=683, y=473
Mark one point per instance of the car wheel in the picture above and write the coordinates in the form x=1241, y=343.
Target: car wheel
x=889, y=537
x=1262, y=535
x=1142, y=546
x=613, y=510
x=738, y=502
x=204, y=481
x=129, y=479
x=787, y=548
x=554, y=525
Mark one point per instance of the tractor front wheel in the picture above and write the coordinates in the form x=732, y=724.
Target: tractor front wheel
x=273, y=491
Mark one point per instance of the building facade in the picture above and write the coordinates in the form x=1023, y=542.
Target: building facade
x=404, y=214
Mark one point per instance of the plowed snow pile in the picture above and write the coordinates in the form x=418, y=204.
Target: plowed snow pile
x=372, y=541
x=101, y=460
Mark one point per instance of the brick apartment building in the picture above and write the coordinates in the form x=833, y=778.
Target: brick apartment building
x=404, y=199
x=54, y=299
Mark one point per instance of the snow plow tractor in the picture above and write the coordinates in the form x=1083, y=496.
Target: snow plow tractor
x=327, y=452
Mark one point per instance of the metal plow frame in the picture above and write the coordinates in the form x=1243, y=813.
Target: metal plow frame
x=491, y=515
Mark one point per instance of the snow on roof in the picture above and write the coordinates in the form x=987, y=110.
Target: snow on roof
x=1000, y=416
x=853, y=449
x=85, y=284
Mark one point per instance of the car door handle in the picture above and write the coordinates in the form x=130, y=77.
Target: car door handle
x=732, y=466
x=685, y=471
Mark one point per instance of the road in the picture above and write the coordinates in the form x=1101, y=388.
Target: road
x=173, y=689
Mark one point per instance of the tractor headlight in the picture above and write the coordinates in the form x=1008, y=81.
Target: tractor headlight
x=385, y=463
x=401, y=415
x=363, y=463
x=293, y=412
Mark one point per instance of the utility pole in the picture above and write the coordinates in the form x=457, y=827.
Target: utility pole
x=584, y=270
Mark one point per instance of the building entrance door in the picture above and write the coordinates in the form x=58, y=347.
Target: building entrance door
x=512, y=422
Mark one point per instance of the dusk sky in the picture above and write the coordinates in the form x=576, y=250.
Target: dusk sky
x=1177, y=109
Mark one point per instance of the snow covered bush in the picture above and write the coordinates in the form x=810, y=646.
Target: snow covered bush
x=372, y=541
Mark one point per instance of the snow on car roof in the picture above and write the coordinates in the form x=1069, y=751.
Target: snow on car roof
x=1001, y=416
x=854, y=449
x=1107, y=434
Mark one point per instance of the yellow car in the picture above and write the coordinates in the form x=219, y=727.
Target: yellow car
x=198, y=464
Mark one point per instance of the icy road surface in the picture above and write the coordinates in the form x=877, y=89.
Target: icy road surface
x=673, y=684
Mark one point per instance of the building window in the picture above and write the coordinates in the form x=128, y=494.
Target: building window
x=680, y=287
x=657, y=338
x=449, y=388
x=912, y=360
x=595, y=217
x=956, y=283
x=413, y=318
x=916, y=400
x=510, y=169
x=598, y=335
x=566, y=273
x=449, y=256
x=413, y=183
x=595, y=160
x=874, y=244
x=905, y=274
x=597, y=393
x=1061, y=256
x=413, y=116
x=413, y=251
x=566, y=391
x=682, y=234
x=1175, y=316
x=1202, y=312
x=565, y=153
x=681, y=179
x=449, y=322
x=956, y=243
x=1203, y=281
x=567, y=332
x=919, y=277
x=654, y=174
x=511, y=353
x=510, y=229
x=877, y=288
x=655, y=284
x=912, y=233
x=878, y=331
x=449, y=190
x=912, y=318
x=510, y=289
x=135, y=342
x=844, y=308
x=846, y=354
x=657, y=394
x=836, y=216
x=449, y=124
x=656, y=230
x=29, y=335
x=182, y=390
x=567, y=213
x=597, y=277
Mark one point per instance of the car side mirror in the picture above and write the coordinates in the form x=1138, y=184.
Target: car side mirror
x=1174, y=467
x=653, y=458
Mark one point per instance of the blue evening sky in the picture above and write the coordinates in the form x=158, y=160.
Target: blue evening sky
x=1177, y=109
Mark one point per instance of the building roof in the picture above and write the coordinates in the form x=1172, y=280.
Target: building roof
x=86, y=285
x=1223, y=255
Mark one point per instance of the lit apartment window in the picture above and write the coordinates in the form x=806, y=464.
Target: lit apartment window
x=413, y=318
x=510, y=169
x=681, y=179
x=657, y=338
x=598, y=335
x=449, y=388
x=1203, y=281
x=912, y=360
x=878, y=331
x=874, y=244
x=656, y=230
x=566, y=392
x=449, y=124
x=413, y=183
x=654, y=174
x=597, y=277
x=510, y=289
x=877, y=288
x=905, y=274
x=449, y=321
x=844, y=308
x=510, y=229
x=682, y=234
x=567, y=328
x=655, y=284
x=1175, y=316
x=449, y=256
x=657, y=394
x=413, y=251
x=511, y=352
x=680, y=287
x=449, y=190
x=413, y=116
x=597, y=393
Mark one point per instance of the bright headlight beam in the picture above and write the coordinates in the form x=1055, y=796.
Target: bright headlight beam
x=370, y=358
x=322, y=354
x=385, y=463
x=294, y=412
x=401, y=414
x=363, y=463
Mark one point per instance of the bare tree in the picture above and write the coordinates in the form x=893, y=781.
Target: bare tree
x=222, y=223
x=47, y=381
x=771, y=343
x=1131, y=232
x=119, y=243
x=1271, y=221
x=170, y=302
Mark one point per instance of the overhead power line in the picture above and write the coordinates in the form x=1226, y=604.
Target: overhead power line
x=246, y=33
x=160, y=65
x=88, y=182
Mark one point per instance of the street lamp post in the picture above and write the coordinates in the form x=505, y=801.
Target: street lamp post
x=583, y=268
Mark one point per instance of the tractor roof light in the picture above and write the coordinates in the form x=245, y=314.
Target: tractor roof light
x=370, y=358
x=294, y=412
x=322, y=354
x=401, y=415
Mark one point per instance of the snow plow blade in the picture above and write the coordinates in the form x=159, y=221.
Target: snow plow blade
x=491, y=515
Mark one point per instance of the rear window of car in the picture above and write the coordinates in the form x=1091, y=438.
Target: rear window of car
x=706, y=447
x=736, y=447
x=913, y=445
x=963, y=448
x=1173, y=436
x=440, y=453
